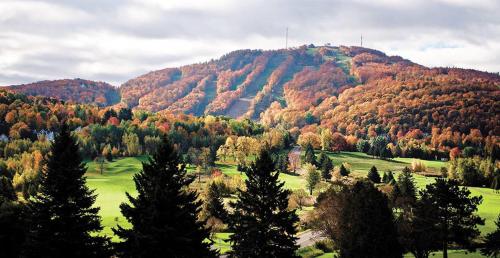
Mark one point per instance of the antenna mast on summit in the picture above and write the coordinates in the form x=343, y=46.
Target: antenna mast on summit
x=361, y=39
x=286, y=38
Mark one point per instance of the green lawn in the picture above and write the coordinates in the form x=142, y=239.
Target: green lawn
x=111, y=186
x=291, y=181
x=361, y=162
x=117, y=179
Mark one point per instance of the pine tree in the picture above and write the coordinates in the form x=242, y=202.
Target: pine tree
x=214, y=205
x=326, y=166
x=366, y=224
x=495, y=183
x=388, y=177
x=262, y=224
x=373, y=175
x=322, y=158
x=313, y=177
x=309, y=156
x=164, y=214
x=343, y=171
x=64, y=221
x=12, y=220
x=7, y=192
x=453, y=213
x=491, y=246
x=407, y=187
x=282, y=164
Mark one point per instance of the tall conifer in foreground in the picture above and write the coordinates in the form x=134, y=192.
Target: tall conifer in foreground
x=164, y=214
x=64, y=222
x=262, y=225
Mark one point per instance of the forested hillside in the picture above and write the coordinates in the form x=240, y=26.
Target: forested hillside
x=345, y=89
x=351, y=90
x=76, y=90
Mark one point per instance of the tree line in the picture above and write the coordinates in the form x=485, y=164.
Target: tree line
x=61, y=220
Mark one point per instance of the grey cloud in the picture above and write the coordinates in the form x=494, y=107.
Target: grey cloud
x=406, y=26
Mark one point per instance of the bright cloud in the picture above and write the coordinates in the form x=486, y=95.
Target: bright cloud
x=115, y=40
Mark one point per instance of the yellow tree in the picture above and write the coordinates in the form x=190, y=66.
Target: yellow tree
x=326, y=139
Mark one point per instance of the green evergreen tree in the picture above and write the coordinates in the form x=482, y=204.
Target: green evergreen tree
x=366, y=224
x=109, y=156
x=388, y=177
x=64, y=221
x=313, y=178
x=373, y=175
x=326, y=166
x=491, y=246
x=407, y=187
x=343, y=171
x=322, y=158
x=495, y=183
x=125, y=114
x=282, y=164
x=453, y=213
x=262, y=224
x=214, y=205
x=164, y=215
x=415, y=233
x=7, y=192
x=309, y=156
x=12, y=220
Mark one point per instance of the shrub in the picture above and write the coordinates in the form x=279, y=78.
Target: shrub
x=418, y=166
x=309, y=252
x=325, y=245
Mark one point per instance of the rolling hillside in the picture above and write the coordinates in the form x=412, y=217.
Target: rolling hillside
x=76, y=90
x=347, y=89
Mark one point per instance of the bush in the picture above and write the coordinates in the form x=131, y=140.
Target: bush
x=309, y=252
x=418, y=166
x=325, y=245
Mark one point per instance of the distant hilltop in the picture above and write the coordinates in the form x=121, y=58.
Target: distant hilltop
x=340, y=87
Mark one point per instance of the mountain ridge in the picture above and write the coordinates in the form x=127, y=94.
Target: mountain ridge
x=343, y=88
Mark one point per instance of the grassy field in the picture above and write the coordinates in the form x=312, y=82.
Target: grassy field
x=117, y=179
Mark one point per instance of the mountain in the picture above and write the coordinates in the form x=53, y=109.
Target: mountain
x=76, y=90
x=243, y=83
x=352, y=90
x=347, y=89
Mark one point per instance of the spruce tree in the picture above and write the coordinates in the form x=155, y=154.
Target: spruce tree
x=491, y=247
x=12, y=220
x=326, y=166
x=309, y=156
x=214, y=205
x=322, y=158
x=388, y=177
x=366, y=224
x=64, y=221
x=7, y=192
x=407, y=187
x=282, y=164
x=343, y=171
x=373, y=175
x=164, y=214
x=453, y=213
x=312, y=178
x=262, y=224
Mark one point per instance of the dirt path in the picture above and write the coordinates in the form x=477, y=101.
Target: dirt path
x=308, y=238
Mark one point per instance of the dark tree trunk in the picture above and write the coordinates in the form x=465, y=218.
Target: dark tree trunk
x=445, y=249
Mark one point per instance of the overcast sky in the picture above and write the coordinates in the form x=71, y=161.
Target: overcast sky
x=116, y=40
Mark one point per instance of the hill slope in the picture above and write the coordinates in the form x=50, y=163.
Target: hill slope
x=344, y=88
x=76, y=90
x=352, y=90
